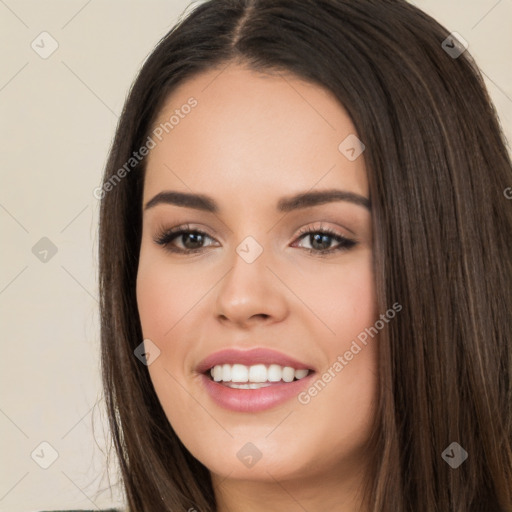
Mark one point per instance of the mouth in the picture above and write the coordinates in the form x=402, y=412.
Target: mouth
x=253, y=380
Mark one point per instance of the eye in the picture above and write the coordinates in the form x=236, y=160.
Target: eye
x=192, y=240
x=320, y=240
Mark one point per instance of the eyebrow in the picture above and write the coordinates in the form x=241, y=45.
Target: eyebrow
x=285, y=204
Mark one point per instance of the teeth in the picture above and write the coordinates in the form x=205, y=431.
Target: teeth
x=239, y=373
x=274, y=373
x=258, y=373
x=248, y=386
x=300, y=374
x=216, y=373
x=226, y=372
x=288, y=374
x=255, y=376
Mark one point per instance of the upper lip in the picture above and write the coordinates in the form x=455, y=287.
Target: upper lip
x=249, y=358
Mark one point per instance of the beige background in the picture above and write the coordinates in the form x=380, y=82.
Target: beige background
x=58, y=116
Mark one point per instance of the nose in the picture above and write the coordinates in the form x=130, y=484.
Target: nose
x=251, y=294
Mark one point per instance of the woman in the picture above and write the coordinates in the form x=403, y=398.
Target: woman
x=305, y=267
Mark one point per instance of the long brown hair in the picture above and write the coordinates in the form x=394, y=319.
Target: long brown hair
x=437, y=167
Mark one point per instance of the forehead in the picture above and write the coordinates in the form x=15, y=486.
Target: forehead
x=235, y=131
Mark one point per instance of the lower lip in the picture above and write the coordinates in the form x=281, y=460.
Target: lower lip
x=254, y=400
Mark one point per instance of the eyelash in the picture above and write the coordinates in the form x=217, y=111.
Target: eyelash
x=167, y=236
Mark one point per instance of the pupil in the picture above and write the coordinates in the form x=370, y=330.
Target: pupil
x=320, y=239
x=196, y=239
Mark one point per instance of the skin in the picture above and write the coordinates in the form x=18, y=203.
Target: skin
x=251, y=140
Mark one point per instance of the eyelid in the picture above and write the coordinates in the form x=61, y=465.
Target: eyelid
x=164, y=232
x=320, y=226
x=304, y=230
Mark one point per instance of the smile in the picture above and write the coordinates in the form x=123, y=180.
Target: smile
x=253, y=380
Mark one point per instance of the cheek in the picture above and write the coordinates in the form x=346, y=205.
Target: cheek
x=344, y=302
x=166, y=294
x=354, y=306
x=168, y=299
x=340, y=295
x=156, y=299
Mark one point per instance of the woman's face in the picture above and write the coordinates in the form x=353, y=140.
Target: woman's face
x=253, y=284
